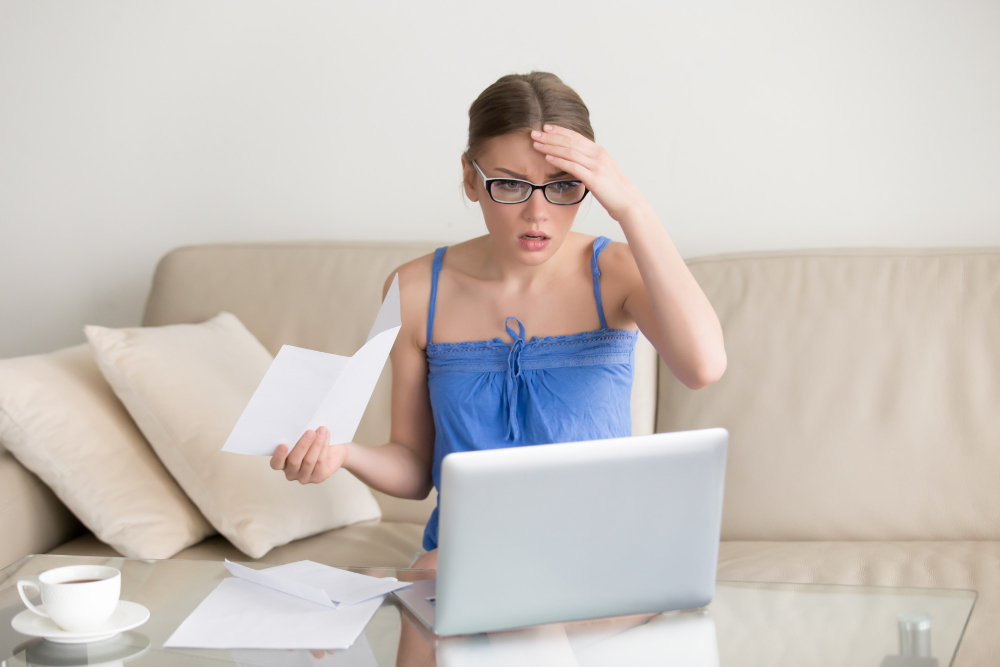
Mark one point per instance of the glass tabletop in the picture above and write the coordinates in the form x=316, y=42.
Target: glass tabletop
x=746, y=624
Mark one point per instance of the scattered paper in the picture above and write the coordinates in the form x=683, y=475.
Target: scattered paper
x=305, y=389
x=303, y=605
x=359, y=655
x=324, y=585
x=281, y=584
x=239, y=614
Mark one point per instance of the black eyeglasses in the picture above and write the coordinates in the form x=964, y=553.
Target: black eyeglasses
x=515, y=191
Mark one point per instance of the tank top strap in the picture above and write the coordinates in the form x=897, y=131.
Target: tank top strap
x=435, y=271
x=600, y=243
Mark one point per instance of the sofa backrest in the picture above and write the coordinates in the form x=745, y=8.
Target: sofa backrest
x=862, y=394
x=322, y=296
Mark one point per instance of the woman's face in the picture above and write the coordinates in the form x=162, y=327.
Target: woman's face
x=529, y=232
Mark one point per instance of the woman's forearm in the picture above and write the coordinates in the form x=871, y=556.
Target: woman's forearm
x=390, y=468
x=690, y=335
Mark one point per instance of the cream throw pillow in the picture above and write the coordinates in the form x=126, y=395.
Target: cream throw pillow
x=186, y=385
x=60, y=419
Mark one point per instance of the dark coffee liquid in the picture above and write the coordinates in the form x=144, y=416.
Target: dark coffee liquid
x=79, y=581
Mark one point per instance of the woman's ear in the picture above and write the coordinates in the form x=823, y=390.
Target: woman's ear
x=469, y=178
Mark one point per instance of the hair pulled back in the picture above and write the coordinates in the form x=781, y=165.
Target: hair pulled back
x=525, y=102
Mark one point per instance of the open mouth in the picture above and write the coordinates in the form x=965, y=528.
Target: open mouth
x=534, y=241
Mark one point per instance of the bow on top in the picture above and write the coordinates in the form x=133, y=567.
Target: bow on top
x=513, y=373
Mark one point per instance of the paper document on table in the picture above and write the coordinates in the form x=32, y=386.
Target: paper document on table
x=267, y=612
x=322, y=584
x=240, y=614
x=359, y=655
x=305, y=389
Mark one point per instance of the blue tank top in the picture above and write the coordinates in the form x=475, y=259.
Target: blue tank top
x=487, y=394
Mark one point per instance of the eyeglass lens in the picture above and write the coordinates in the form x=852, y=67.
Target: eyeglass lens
x=559, y=192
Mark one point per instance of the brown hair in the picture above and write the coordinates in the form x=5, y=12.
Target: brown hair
x=525, y=102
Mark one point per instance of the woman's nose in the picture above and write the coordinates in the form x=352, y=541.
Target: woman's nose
x=537, y=207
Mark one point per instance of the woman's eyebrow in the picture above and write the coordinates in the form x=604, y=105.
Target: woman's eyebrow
x=525, y=178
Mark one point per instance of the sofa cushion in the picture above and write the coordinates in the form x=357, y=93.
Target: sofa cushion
x=961, y=565
x=62, y=421
x=368, y=544
x=186, y=385
x=861, y=396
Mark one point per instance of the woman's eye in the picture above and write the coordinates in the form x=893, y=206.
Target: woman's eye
x=509, y=185
x=563, y=186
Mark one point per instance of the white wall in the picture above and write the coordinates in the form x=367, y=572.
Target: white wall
x=130, y=127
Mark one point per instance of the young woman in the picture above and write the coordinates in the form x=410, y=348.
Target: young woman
x=526, y=335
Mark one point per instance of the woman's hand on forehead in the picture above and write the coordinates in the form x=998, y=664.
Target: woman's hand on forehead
x=583, y=159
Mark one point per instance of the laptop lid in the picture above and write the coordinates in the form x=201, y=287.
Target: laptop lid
x=570, y=531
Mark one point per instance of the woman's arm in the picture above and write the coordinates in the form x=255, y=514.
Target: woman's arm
x=401, y=467
x=662, y=296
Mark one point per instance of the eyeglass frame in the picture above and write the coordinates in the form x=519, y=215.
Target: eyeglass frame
x=487, y=182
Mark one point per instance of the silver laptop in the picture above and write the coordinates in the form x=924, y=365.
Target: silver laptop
x=571, y=531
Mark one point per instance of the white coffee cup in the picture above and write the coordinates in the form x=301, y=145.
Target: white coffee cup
x=77, y=598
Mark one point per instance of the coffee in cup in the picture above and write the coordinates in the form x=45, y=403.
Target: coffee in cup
x=77, y=598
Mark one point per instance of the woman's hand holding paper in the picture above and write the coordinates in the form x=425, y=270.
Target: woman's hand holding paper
x=312, y=460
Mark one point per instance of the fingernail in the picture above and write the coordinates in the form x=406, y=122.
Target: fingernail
x=548, y=128
x=536, y=134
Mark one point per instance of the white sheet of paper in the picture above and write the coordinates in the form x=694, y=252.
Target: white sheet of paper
x=281, y=584
x=359, y=655
x=324, y=585
x=305, y=389
x=239, y=614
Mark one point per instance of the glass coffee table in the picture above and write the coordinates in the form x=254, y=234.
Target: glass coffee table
x=746, y=624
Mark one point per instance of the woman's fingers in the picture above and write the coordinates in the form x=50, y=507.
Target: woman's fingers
x=329, y=462
x=279, y=456
x=312, y=460
x=299, y=451
x=320, y=472
x=559, y=130
x=560, y=136
x=570, y=154
x=559, y=139
x=313, y=454
x=576, y=154
x=570, y=167
x=309, y=463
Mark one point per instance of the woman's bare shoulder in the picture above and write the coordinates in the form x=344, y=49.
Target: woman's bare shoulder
x=414, y=276
x=414, y=296
x=467, y=257
x=616, y=262
x=620, y=279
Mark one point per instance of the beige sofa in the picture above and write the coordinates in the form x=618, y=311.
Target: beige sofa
x=862, y=397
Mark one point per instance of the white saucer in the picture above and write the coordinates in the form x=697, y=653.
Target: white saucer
x=112, y=652
x=126, y=616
